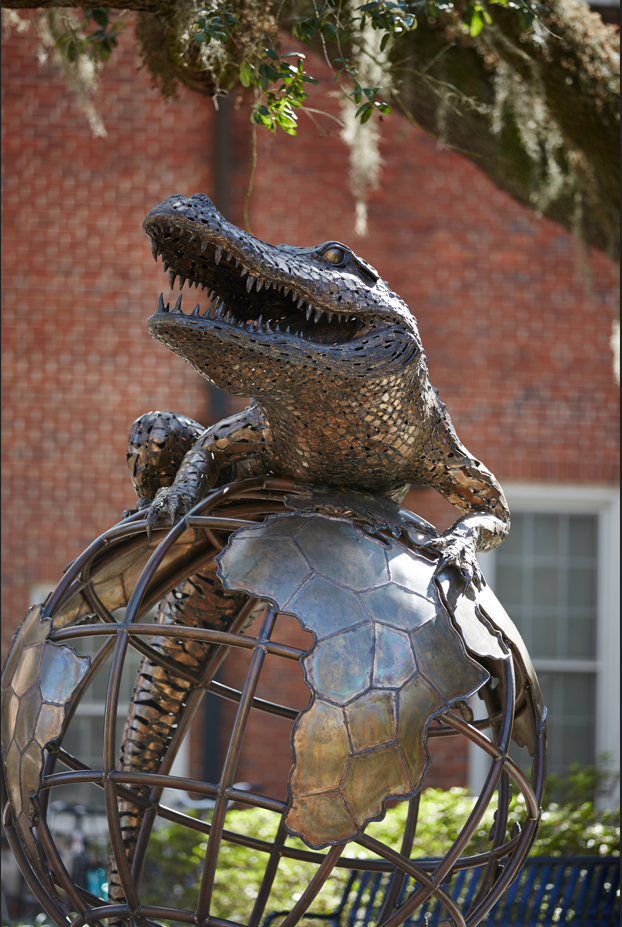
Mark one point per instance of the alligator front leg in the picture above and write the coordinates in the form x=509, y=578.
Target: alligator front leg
x=160, y=698
x=468, y=484
x=236, y=442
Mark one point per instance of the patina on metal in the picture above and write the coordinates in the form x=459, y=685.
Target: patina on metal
x=226, y=514
x=341, y=398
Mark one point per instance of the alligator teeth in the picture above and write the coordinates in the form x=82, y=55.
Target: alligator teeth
x=277, y=327
x=154, y=250
x=177, y=306
x=182, y=280
x=330, y=317
x=204, y=245
x=249, y=283
x=287, y=330
x=258, y=323
x=259, y=283
x=228, y=318
x=286, y=290
x=161, y=305
x=219, y=307
x=301, y=300
x=309, y=311
x=244, y=271
x=203, y=287
x=195, y=312
x=268, y=329
x=229, y=255
x=164, y=266
x=172, y=276
x=318, y=315
x=218, y=254
x=237, y=263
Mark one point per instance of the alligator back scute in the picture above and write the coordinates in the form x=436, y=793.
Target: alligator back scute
x=386, y=659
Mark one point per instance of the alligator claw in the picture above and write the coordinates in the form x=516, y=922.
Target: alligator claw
x=457, y=549
x=170, y=502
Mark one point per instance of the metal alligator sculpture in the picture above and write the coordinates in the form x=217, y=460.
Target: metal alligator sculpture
x=341, y=396
x=341, y=399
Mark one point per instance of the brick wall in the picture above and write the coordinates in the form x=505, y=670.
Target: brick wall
x=515, y=319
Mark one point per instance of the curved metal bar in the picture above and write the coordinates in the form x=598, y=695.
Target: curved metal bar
x=209, y=671
x=231, y=762
x=268, y=877
x=234, y=695
x=58, y=866
x=314, y=887
x=159, y=630
x=463, y=727
x=531, y=827
x=431, y=884
x=126, y=912
x=45, y=899
x=421, y=894
x=110, y=792
x=501, y=814
x=394, y=889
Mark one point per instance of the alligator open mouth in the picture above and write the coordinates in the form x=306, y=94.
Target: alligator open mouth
x=240, y=296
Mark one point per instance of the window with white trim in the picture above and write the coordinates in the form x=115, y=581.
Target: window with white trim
x=556, y=576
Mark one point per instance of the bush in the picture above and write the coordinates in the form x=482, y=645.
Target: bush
x=566, y=830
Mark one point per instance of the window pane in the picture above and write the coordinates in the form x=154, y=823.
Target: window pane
x=545, y=585
x=513, y=544
x=509, y=583
x=582, y=586
x=582, y=536
x=544, y=635
x=546, y=578
x=546, y=535
x=581, y=638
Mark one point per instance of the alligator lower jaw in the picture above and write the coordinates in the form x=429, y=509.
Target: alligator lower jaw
x=220, y=320
x=241, y=298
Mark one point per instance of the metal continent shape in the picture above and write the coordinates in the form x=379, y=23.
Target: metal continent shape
x=39, y=679
x=386, y=659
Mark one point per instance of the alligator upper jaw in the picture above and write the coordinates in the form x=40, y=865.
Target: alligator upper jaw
x=248, y=290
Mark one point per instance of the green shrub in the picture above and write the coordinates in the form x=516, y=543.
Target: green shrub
x=177, y=854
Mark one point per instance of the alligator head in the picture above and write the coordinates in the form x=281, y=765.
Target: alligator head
x=316, y=310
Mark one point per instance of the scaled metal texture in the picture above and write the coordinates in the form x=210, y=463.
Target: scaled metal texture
x=405, y=628
x=387, y=660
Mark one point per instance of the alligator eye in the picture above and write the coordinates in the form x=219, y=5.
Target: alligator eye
x=334, y=255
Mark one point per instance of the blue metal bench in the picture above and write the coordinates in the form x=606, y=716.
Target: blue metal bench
x=578, y=890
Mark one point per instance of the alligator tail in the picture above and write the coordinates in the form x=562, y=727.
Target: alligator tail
x=160, y=698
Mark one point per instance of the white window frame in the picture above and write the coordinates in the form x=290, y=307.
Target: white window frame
x=604, y=502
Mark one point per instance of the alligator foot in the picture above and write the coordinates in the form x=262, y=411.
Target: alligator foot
x=458, y=547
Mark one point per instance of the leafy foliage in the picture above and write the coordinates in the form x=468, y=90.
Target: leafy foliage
x=575, y=829
x=97, y=45
x=277, y=82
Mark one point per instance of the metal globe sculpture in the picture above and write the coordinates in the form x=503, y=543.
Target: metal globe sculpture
x=398, y=648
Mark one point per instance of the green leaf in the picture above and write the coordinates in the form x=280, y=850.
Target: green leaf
x=100, y=17
x=271, y=54
x=366, y=115
x=385, y=41
x=246, y=73
x=200, y=37
x=384, y=108
x=477, y=24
